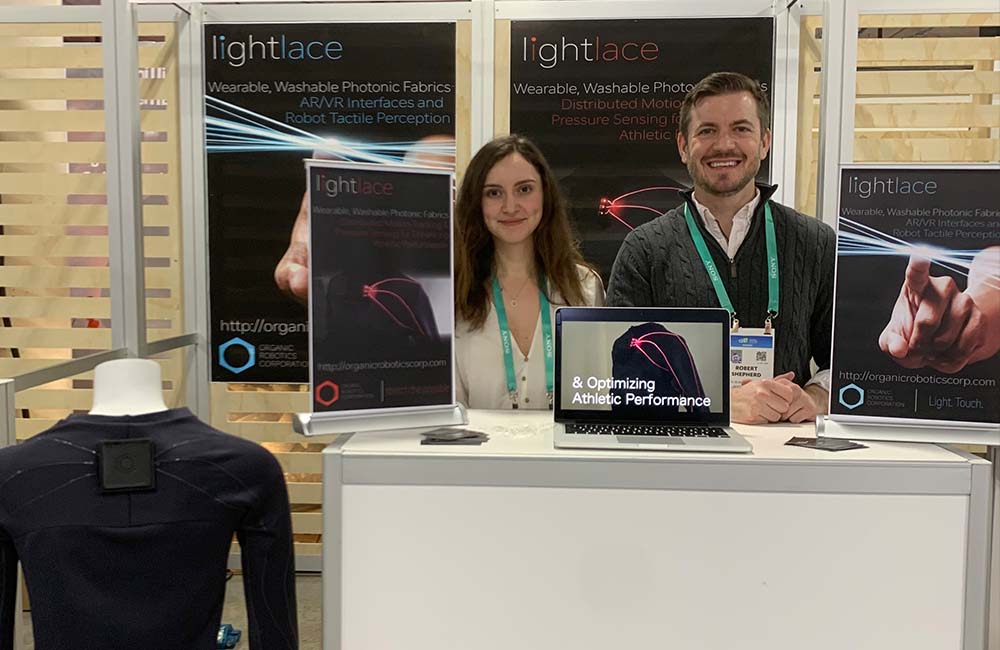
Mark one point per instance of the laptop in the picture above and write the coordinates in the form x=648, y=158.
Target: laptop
x=643, y=378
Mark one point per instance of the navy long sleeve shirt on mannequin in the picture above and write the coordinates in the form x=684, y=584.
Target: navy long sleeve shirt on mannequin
x=144, y=570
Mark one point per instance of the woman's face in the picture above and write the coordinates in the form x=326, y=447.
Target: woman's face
x=512, y=200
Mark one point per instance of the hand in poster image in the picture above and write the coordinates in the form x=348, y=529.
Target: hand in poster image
x=292, y=271
x=776, y=400
x=934, y=324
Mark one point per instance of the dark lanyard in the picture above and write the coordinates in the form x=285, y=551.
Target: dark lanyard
x=713, y=272
x=507, y=342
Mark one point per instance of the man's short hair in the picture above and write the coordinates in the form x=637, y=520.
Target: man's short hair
x=725, y=83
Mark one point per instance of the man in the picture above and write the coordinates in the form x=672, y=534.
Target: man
x=723, y=138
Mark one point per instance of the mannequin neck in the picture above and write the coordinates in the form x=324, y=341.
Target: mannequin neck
x=127, y=387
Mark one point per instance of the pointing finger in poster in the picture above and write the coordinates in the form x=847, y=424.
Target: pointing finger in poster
x=932, y=308
x=917, y=274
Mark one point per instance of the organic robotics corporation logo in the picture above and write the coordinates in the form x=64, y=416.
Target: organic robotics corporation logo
x=327, y=393
x=851, y=396
x=232, y=359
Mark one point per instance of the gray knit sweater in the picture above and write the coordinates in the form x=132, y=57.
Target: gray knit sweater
x=658, y=265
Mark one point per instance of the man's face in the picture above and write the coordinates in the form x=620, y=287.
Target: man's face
x=725, y=143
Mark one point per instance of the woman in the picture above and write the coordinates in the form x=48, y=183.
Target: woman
x=516, y=260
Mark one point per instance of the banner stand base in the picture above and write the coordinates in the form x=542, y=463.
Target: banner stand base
x=945, y=433
x=334, y=422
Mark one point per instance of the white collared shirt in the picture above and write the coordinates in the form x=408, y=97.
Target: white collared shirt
x=741, y=226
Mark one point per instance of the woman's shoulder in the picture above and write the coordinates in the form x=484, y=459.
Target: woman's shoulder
x=593, y=286
x=463, y=328
x=467, y=330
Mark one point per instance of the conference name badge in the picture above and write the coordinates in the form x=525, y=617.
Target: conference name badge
x=751, y=355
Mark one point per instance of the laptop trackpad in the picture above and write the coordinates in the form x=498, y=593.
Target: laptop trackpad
x=645, y=440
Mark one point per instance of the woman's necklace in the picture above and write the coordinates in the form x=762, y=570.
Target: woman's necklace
x=513, y=300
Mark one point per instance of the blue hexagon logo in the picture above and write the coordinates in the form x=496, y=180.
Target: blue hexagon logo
x=849, y=391
x=237, y=341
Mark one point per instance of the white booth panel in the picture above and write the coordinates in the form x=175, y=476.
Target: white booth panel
x=429, y=567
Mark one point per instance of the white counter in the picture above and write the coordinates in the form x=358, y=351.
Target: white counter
x=515, y=544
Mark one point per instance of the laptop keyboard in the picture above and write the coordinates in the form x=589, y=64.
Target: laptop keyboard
x=647, y=430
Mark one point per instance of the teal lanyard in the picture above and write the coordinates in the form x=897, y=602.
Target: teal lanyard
x=713, y=272
x=507, y=342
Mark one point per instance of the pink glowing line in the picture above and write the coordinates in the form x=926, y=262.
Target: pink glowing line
x=648, y=189
x=638, y=207
x=639, y=342
x=375, y=284
x=371, y=291
x=407, y=307
x=391, y=315
x=694, y=371
x=619, y=219
x=608, y=206
x=682, y=342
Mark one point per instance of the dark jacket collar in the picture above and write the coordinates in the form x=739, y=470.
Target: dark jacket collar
x=766, y=192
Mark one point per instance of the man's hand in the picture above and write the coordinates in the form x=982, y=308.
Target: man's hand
x=760, y=401
x=933, y=323
x=808, y=403
x=292, y=272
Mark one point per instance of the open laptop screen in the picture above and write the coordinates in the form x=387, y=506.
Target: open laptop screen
x=642, y=365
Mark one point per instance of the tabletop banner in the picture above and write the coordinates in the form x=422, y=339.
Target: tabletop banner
x=917, y=307
x=381, y=298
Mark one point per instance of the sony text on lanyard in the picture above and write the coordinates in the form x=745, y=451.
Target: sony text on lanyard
x=751, y=352
x=507, y=342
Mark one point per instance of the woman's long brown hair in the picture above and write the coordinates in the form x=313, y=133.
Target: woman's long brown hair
x=557, y=253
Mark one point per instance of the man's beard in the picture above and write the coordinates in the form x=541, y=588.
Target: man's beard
x=701, y=182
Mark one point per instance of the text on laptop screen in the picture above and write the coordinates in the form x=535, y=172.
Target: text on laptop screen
x=643, y=370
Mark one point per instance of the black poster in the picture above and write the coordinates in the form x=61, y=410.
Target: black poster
x=602, y=99
x=381, y=295
x=276, y=94
x=917, y=312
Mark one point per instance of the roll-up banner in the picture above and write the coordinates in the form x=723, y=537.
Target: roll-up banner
x=917, y=306
x=602, y=99
x=275, y=94
x=381, y=301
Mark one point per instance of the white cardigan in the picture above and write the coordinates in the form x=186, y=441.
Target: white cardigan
x=481, y=380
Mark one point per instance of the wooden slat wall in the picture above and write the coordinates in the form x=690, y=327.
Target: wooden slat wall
x=463, y=95
x=54, y=222
x=807, y=156
x=54, y=243
x=501, y=77
x=924, y=95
